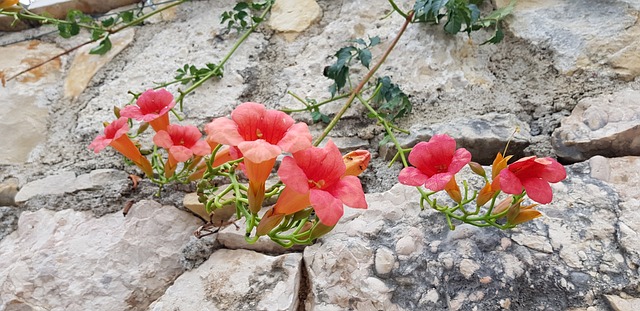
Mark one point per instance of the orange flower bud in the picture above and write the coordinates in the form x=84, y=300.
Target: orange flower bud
x=453, y=190
x=356, y=162
x=268, y=222
x=485, y=194
x=502, y=206
x=477, y=168
x=524, y=216
x=499, y=163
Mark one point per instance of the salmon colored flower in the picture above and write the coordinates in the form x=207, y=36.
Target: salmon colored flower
x=316, y=177
x=533, y=175
x=260, y=135
x=489, y=190
x=153, y=107
x=436, y=162
x=115, y=135
x=182, y=143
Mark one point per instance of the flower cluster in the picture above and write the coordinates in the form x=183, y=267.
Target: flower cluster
x=438, y=161
x=314, y=184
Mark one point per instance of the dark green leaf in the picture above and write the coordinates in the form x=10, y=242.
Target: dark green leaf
x=360, y=41
x=103, y=47
x=373, y=41
x=108, y=22
x=497, y=37
x=365, y=57
x=96, y=34
x=241, y=6
x=453, y=25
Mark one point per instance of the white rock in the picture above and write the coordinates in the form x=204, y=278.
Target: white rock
x=618, y=303
x=468, y=267
x=236, y=280
x=293, y=16
x=70, y=260
x=63, y=182
x=385, y=260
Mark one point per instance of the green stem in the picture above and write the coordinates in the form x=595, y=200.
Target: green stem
x=364, y=81
x=397, y=9
x=216, y=70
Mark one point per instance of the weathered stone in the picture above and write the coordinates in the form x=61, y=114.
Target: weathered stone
x=624, y=176
x=85, y=65
x=220, y=216
x=8, y=191
x=23, y=118
x=8, y=220
x=618, y=303
x=607, y=125
x=66, y=182
x=236, y=280
x=483, y=136
x=564, y=26
x=70, y=260
x=294, y=16
x=565, y=260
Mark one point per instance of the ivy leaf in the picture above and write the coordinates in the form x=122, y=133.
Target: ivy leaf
x=392, y=103
x=127, y=16
x=318, y=116
x=108, y=22
x=68, y=30
x=373, y=41
x=103, y=47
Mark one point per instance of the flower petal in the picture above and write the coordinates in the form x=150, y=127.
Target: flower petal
x=509, y=182
x=201, y=148
x=290, y=202
x=553, y=172
x=181, y=153
x=438, y=182
x=296, y=138
x=349, y=191
x=223, y=131
x=328, y=208
x=461, y=157
x=99, y=143
x=259, y=150
x=538, y=190
x=293, y=176
x=412, y=176
x=321, y=163
x=131, y=111
x=163, y=139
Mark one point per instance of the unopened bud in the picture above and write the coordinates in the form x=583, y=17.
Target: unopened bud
x=116, y=111
x=268, y=222
x=502, y=206
x=143, y=127
x=477, y=168
x=320, y=230
x=356, y=162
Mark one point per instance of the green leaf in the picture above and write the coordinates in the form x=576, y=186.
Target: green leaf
x=103, y=47
x=373, y=41
x=127, y=16
x=453, y=25
x=497, y=37
x=96, y=34
x=428, y=10
x=365, y=57
x=360, y=41
x=241, y=6
x=108, y=22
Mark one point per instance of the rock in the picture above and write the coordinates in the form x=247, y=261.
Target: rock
x=23, y=118
x=294, y=16
x=220, y=216
x=564, y=27
x=232, y=236
x=483, y=136
x=70, y=260
x=8, y=220
x=565, y=260
x=618, y=303
x=607, y=125
x=624, y=176
x=66, y=182
x=8, y=191
x=85, y=65
x=236, y=280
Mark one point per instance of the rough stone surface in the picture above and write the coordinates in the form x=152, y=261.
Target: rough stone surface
x=567, y=259
x=624, y=175
x=483, y=136
x=236, y=280
x=607, y=125
x=70, y=260
x=565, y=27
x=293, y=16
x=85, y=65
x=8, y=220
x=618, y=303
x=66, y=182
x=232, y=237
x=23, y=118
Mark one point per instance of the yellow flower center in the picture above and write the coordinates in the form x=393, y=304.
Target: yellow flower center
x=317, y=184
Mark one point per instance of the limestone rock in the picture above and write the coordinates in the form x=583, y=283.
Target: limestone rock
x=85, y=65
x=618, y=303
x=565, y=26
x=624, y=176
x=294, y=16
x=70, y=260
x=66, y=182
x=565, y=260
x=23, y=118
x=220, y=216
x=607, y=125
x=483, y=136
x=8, y=220
x=236, y=280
